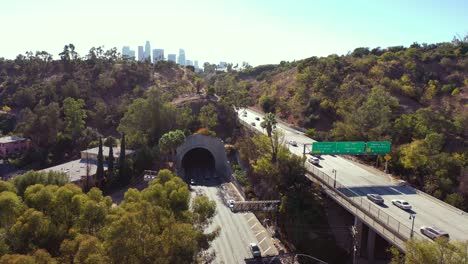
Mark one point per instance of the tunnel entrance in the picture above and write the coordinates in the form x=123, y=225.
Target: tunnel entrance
x=198, y=164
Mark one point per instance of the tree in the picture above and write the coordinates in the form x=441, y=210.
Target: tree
x=22, y=182
x=74, y=115
x=30, y=231
x=268, y=103
x=208, y=116
x=123, y=177
x=424, y=251
x=204, y=210
x=100, y=164
x=110, y=163
x=11, y=207
x=169, y=142
x=269, y=123
x=147, y=119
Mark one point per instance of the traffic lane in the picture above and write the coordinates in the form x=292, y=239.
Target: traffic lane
x=230, y=246
x=432, y=214
x=427, y=213
x=358, y=176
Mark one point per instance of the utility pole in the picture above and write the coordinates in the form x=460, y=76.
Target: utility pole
x=412, y=217
x=334, y=183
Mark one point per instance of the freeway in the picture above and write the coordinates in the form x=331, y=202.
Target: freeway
x=361, y=180
x=237, y=229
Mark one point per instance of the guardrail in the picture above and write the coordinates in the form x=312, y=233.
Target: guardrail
x=362, y=207
x=366, y=210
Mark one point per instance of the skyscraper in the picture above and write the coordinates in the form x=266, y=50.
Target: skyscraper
x=171, y=57
x=195, y=64
x=141, y=53
x=158, y=55
x=127, y=52
x=188, y=63
x=147, y=50
x=181, y=60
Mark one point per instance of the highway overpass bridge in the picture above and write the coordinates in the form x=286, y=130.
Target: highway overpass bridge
x=348, y=182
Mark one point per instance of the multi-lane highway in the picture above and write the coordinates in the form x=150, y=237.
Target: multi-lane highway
x=362, y=180
x=238, y=230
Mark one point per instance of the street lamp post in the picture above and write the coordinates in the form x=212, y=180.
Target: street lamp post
x=412, y=217
x=334, y=183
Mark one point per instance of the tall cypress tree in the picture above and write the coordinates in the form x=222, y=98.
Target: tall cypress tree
x=100, y=164
x=122, y=169
x=110, y=164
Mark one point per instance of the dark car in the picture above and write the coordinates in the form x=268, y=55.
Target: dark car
x=255, y=250
x=375, y=198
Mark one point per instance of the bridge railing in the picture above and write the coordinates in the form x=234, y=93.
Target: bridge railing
x=380, y=220
x=365, y=209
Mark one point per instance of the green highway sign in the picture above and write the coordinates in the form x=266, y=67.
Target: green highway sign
x=378, y=147
x=323, y=148
x=350, y=148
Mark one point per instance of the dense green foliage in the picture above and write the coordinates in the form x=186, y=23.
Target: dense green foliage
x=64, y=105
x=61, y=224
x=423, y=251
x=414, y=97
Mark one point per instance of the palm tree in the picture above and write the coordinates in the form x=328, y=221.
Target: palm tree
x=269, y=123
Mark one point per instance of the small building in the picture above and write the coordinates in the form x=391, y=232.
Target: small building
x=78, y=170
x=91, y=154
x=11, y=145
x=82, y=171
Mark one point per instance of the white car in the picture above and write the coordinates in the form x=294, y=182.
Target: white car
x=402, y=204
x=231, y=203
x=433, y=232
x=292, y=143
x=314, y=160
x=253, y=123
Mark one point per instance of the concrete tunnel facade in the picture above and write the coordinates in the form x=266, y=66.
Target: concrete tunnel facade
x=198, y=149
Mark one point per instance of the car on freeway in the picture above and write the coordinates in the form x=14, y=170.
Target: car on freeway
x=292, y=143
x=231, y=203
x=375, y=198
x=433, y=232
x=192, y=182
x=314, y=160
x=253, y=124
x=401, y=204
x=257, y=118
x=244, y=114
x=255, y=250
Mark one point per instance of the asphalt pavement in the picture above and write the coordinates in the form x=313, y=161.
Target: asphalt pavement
x=238, y=230
x=361, y=180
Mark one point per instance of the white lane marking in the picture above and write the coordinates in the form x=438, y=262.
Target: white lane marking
x=261, y=231
x=267, y=250
x=251, y=218
x=262, y=240
x=396, y=190
x=253, y=226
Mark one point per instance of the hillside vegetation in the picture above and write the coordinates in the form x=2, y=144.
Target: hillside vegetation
x=413, y=96
x=64, y=105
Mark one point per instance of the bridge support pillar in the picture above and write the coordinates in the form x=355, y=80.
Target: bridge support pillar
x=370, y=245
x=357, y=236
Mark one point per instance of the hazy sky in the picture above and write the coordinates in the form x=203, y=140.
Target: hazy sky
x=256, y=31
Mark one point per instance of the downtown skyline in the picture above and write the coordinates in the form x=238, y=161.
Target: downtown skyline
x=260, y=32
